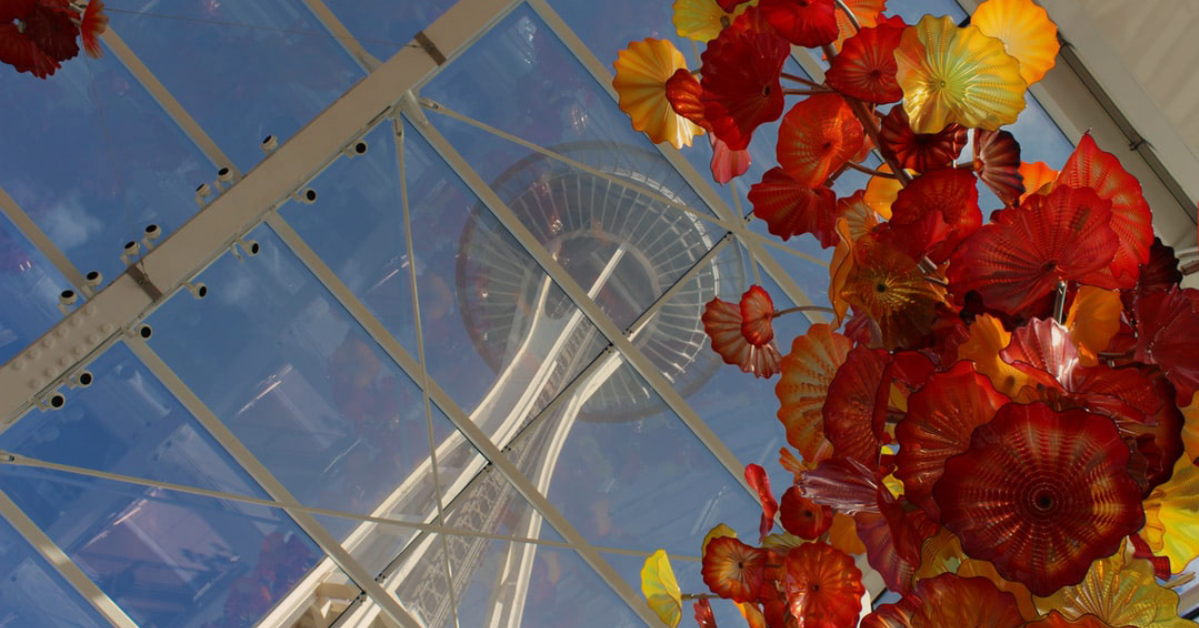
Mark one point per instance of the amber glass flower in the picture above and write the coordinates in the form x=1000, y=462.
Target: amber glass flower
x=957, y=74
x=642, y=71
x=1026, y=31
x=888, y=286
x=1041, y=494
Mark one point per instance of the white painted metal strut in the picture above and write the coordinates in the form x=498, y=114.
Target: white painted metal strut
x=63, y=564
x=187, y=251
x=39, y=239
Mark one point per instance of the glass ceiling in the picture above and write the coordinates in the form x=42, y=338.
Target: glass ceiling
x=464, y=384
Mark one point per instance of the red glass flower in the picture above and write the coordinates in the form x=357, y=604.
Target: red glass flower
x=803, y=517
x=921, y=152
x=1168, y=335
x=683, y=91
x=791, y=208
x=997, y=161
x=933, y=214
x=1041, y=494
x=807, y=23
x=855, y=411
x=1131, y=218
x=757, y=312
x=756, y=476
x=817, y=136
x=703, y=613
x=722, y=322
x=741, y=88
x=1019, y=258
x=726, y=162
x=732, y=569
x=949, y=600
x=93, y=24
x=824, y=587
x=941, y=417
x=866, y=67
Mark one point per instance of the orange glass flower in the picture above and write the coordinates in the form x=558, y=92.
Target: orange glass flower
x=997, y=161
x=803, y=517
x=824, y=587
x=757, y=312
x=732, y=569
x=807, y=23
x=807, y=372
x=93, y=24
x=941, y=417
x=1131, y=219
x=921, y=152
x=791, y=208
x=954, y=74
x=865, y=68
x=702, y=20
x=1093, y=320
x=642, y=71
x=741, y=88
x=1041, y=494
x=722, y=322
x=857, y=213
x=1036, y=177
x=868, y=13
x=890, y=288
x=1023, y=253
x=818, y=135
x=1026, y=31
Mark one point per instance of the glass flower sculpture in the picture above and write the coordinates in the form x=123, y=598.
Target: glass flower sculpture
x=1002, y=414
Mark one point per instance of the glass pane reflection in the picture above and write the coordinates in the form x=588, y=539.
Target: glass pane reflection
x=29, y=289
x=33, y=595
x=297, y=379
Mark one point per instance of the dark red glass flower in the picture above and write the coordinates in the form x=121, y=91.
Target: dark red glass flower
x=791, y=208
x=817, y=137
x=741, y=88
x=824, y=587
x=1041, y=494
x=949, y=600
x=921, y=152
x=865, y=68
x=997, y=161
x=856, y=409
x=803, y=517
x=683, y=91
x=941, y=417
x=1019, y=258
x=1168, y=336
x=807, y=23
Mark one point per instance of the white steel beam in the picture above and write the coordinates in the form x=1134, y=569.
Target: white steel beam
x=241, y=207
x=62, y=564
x=273, y=487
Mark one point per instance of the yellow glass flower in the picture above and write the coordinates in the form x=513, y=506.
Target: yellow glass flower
x=1026, y=31
x=839, y=269
x=843, y=535
x=953, y=74
x=1119, y=592
x=642, y=70
x=702, y=20
x=1093, y=320
x=720, y=530
x=661, y=589
x=1170, y=515
x=881, y=192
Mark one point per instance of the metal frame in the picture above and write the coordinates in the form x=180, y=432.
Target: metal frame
x=108, y=314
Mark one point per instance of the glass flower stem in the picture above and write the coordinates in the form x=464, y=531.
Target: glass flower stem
x=802, y=81
x=803, y=308
x=871, y=171
x=806, y=92
x=1059, y=303
x=698, y=596
x=1190, y=268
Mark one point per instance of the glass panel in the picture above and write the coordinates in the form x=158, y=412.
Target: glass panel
x=29, y=289
x=384, y=37
x=92, y=159
x=522, y=80
x=356, y=226
x=636, y=478
x=199, y=51
x=168, y=559
x=33, y=595
x=501, y=338
x=297, y=379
